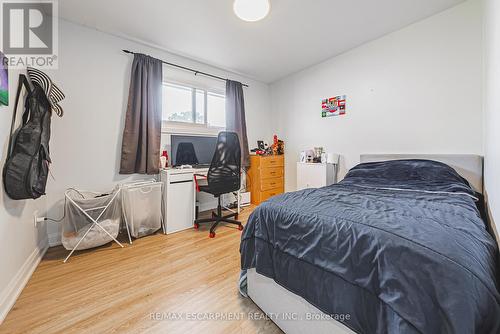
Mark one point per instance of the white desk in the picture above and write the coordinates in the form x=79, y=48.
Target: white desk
x=179, y=197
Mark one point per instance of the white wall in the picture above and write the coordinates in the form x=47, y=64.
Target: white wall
x=417, y=90
x=21, y=244
x=94, y=74
x=492, y=110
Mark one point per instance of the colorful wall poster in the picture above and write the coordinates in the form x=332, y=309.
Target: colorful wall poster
x=4, y=82
x=334, y=106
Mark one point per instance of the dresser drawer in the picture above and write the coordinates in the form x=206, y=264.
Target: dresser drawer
x=272, y=161
x=266, y=177
x=264, y=195
x=268, y=184
x=267, y=173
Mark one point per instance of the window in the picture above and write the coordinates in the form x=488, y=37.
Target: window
x=191, y=105
x=216, y=105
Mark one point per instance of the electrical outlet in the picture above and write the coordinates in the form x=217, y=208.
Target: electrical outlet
x=36, y=219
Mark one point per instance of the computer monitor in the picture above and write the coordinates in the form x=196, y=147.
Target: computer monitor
x=196, y=151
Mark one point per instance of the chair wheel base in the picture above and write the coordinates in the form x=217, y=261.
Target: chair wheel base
x=211, y=235
x=196, y=226
x=240, y=227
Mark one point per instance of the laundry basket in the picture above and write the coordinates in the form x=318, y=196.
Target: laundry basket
x=92, y=219
x=141, y=207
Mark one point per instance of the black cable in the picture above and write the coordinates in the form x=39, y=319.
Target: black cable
x=64, y=207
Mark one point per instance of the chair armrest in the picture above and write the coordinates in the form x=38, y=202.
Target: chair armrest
x=196, y=180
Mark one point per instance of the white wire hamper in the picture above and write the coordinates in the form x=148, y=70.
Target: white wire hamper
x=91, y=220
x=142, y=207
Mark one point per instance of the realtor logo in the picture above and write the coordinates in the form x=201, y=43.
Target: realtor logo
x=29, y=33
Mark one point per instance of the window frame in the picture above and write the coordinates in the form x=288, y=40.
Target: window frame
x=192, y=127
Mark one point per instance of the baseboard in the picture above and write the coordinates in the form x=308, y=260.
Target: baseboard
x=10, y=294
x=206, y=206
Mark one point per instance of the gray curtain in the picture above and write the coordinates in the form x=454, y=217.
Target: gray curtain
x=142, y=132
x=235, y=117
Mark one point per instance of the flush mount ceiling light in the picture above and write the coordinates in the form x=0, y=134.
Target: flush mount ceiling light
x=251, y=10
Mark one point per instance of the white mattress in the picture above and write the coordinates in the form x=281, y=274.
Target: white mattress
x=290, y=312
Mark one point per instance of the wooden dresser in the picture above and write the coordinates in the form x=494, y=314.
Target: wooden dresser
x=266, y=177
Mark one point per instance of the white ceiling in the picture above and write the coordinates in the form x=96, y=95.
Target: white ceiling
x=295, y=35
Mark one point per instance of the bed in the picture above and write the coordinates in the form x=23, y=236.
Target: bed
x=398, y=246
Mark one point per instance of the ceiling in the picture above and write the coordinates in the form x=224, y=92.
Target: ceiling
x=295, y=35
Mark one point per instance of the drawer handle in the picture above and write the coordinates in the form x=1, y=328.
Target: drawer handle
x=272, y=173
x=273, y=183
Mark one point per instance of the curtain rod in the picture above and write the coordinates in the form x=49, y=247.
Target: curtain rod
x=196, y=72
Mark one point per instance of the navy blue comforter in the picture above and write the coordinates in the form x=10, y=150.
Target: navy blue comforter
x=399, y=246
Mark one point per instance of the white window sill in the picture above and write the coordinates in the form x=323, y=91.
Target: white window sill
x=190, y=129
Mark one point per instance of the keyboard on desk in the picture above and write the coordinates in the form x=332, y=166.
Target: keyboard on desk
x=199, y=166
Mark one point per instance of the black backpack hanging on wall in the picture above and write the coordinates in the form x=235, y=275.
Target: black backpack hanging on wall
x=26, y=169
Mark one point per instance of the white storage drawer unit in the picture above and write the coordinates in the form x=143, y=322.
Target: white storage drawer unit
x=315, y=175
x=179, y=198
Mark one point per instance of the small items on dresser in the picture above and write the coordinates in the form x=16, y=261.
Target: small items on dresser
x=278, y=146
x=316, y=155
x=263, y=148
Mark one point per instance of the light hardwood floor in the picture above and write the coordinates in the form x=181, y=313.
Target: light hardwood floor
x=156, y=285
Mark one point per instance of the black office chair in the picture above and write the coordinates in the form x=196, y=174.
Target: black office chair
x=223, y=178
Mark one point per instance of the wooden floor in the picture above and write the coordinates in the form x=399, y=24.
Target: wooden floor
x=161, y=284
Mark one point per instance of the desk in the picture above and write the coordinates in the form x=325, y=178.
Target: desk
x=179, y=197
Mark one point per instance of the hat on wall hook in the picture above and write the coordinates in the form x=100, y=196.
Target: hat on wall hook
x=53, y=93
